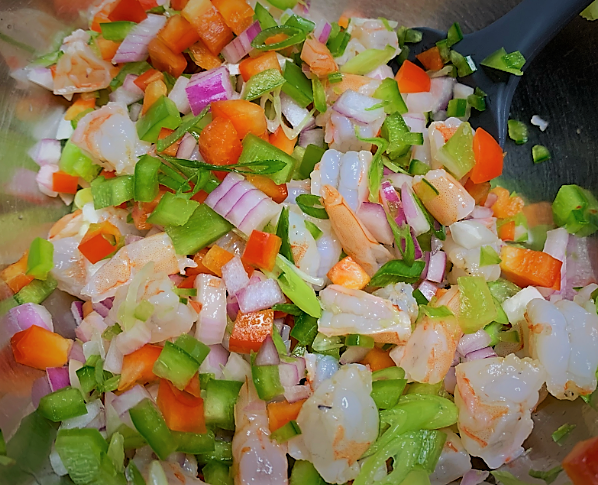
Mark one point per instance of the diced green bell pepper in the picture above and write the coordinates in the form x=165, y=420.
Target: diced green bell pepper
x=286, y=432
x=81, y=451
x=194, y=443
x=576, y=209
x=36, y=291
x=388, y=91
x=40, y=259
x=116, y=31
x=151, y=425
x=304, y=473
x=457, y=153
x=196, y=349
x=477, y=307
x=217, y=473
x=75, y=162
x=112, y=192
x=297, y=86
x=386, y=393
x=266, y=380
x=172, y=210
x=219, y=405
x=176, y=365
x=264, y=17
x=313, y=154
x=262, y=83
x=162, y=114
x=62, y=404
x=255, y=149
x=147, y=186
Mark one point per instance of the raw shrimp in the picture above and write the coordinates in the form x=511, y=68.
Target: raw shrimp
x=401, y=295
x=355, y=239
x=349, y=311
x=429, y=353
x=563, y=337
x=79, y=70
x=303, y=245
x=257, y=460
x=317, y=56
x=373, y=34
x=452, y=203
x=495, y=398
x=338, y=424
x=129, y=259
x=346, y=172
x=340, y=132
x=110, y=137
x=454, y=461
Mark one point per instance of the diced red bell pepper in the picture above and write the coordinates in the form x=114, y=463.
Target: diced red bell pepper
x=148, y=4
x=100, y=241
x=178, y=34
x=507, y=231
x=254, y=65
x=181, y=410
x=39, y=348
x=349, y=273
x=280, y=413
x=278, y=193
x=488, y=157
x=138, y=367
x=201, y=268
x=245, y=116
x=526, y=267
x=412, y=79
x=478, y=191
x=130, y=10
x=148, y=77
x=209, y=24
x=279, y=140
x=15, y=275
x=164, y=59
x=80, y=105
x=250, y=330
x=202, y=56
x=219, y=143
x=581, y=464
x=261, y=250
x=237, y=14
x=377, y=359
x=64, y=183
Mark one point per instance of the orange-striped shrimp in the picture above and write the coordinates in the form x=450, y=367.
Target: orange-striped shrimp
x=317, y=56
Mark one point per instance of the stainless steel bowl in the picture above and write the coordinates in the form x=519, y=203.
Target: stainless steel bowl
x=560, y=86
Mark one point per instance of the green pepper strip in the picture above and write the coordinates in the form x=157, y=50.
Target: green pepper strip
x=176, y=365
x=187, y=123
x=296, y=36
x=151, y=425
x=62, y=404
x=40, y=259
x=267, y=381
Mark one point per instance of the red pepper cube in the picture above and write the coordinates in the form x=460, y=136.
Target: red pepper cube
x=250, y=330
x=100, y=241
x=130, y=10
x=261, y=250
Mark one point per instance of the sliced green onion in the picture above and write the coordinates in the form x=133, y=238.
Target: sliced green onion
x=313, y=154
x=548, y=476
x=162, y=114
x=262, y=83
x=500, y=60
x=403, y=240
x=335, y=77
x=314, y=230
x=287, y=308
x=419, y=297
x=489, y=256
x=264, y=17
x=295, y=36
x=465, y=65
x=454, y=34
x=540, y=153
x=517, y=132
x=112, y=192
x=282, y=231
x=116, y=31
x=312, y=206
x=319, y=94
x=147, y=186
x=188, y=122
x=305, y=329
x=172, y=210
x=286, y=432
x=457, y=107
x=193, y=347
x=297, y=86
x=219, y=404
x=176, y=365
x=266, y=381
x=388, y=91
x=368, y=60
x=418, y=168
x=62, y=404
x=338, y=43
x=40, y=260
x=562, y=432
x=300, y=23
x=151, y=425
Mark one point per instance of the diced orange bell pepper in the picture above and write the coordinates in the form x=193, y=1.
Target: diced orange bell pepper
x=138, y=367
x=107, y=47
x=219, y=143
x=181, y=411
x=350, y=82
x=278, y=193
x=318, y=57
x=349, y=274
x=188, y=282
x=488, y=157
x=154, y=91
x=250, y=330
x=142, y=210
x=130, y=10
x=78, y=107
x=178, y=5
x=64, y=183
x=245, y=116
x=39, y=348
x=280, y=413
x=343, y=21
x=208, y=22
x=431, y=59
x=581, y=464
x=201, y=268
x=261, y=250
x=202, y=56
x=216, y=258
x=101, y=17
x=479, y=192
x=178, y=34
x=148, y=77
x=237, y=14
x=193, y=386
x=506, y=206
x=15, y=275
x=87, y=308
x=100, y=241
x=378, y=359
x=254, y=65
x=507, y=231
x=164, y=59
x=412, y=79
x=279, y=140
x=171, y=151
x=526, y=267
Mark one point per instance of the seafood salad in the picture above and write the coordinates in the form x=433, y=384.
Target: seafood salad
x=288, y=260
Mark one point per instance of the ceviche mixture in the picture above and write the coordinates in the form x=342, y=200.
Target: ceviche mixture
x=288, y=262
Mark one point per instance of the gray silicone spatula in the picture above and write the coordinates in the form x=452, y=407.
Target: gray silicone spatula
x=527, y=28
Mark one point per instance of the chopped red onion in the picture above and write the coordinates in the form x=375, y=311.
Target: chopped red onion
x=178, y=95
x=58, y=377
x=101, y=309
x=374, y=219
x=41, y=76
x=288, y=374
x=267, y=355
x=398, y=179
x=91, y=324
x=484, y=353
x=390, y=198
x=77, y=311
x=257, y=277
x=108, y=302
x=240, y=46
x=134, y=47
x=39, y=389
x=436, y=266
x=428, y=289
x=133, y=339
x=45, y=179
x=187, y=146
x=76, y=352
x=474, y=477
x=219, y=192
x=481, y=212
x=24, y=316
x=292, y=111
x=419, y=102
x=417, y=250
x=357, y=107
x=232, y=307
x=207, y=87
x=236, y=194
x=128, y=93
x=211, y=293
x=237, y=368
x=413, y=213
x=129, y=399
x=259, y=296
x=490, y=200
x=234, y=276
x=472, y=234
x=382, y=72
x=322, y=31
x=259, y=216
x=95, y=409
x=450, y=380
x=297, y=393
x=114, y=360
x=441, y=89
x=312, y=137
x=353, y=354
x=215, y=361
x=473, y=341
x=46, y=152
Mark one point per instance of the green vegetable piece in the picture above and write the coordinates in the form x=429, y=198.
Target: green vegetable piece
x=298, y=291
x=137, y=68
x=477, y=102
x=266, y=381
x=305, y=329
x=194, y=443
x=75, y=162
x=576, y=209
x=502, y=289
x=2, y=444
x=389, y=373
x=173, y=210
x=257, y=150
x=400, y=139
x=133, y=474
x=444, y=50
x=282, y=231
x=188, y=122
x=132, y=438
x=151, y=425
x=500, y=60
x=203, y=228
x=295, y=36
x=436, y=312
x=222, y=453
x=262, y=83
x=403, y=240
x=388, y=91
x=540, y=153
x=301, y=23
x=489, y=256
x=591, y=12
x=216, y=473
x=457, y=107
x=418, y=168
x=409, y=36
x=465, y=65
x=287, y=308
x=81, y=451
x=368, y=60
x=176, y=365
x=507, y=478
x=264, y=17
x=319, y=94
x=283, y=4
x=146, y=179
x=286, y=432
x=386, y=393
x=327, y=345
x=297, y=86
x=62, y=404
x=397, y=271
x=116, y=451
x=112, y=192
x=314, y=230
x=144, y=310
x=356, y=340
x=116, y=31
x=304, y=473
x=419, y=297
x=454, y=34
x=338, y=43
x=416, y=477
x=204, y=378
x=162, y=114
x=219, y=404
x=517, y=132
x=196, y=349
x=457, y=153
x=309, y=205
x=40, y=260
x=562, y=432
x=477, y=307
x=335, y=77
x=313, y=154
x=548, y=476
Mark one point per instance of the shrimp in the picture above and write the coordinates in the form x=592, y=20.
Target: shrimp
x=495, y=398
x=340, y=132
x=79, y=70
x=439, y=132
x=563, y=337
x=317, y=56
x=429, y=353
x=110, y=137
x=454, y=461
x=451, y=204
x=338, y=424
x=349, y=311
x=257, y=460
x=303, y=245
x=400, y=295
x=373, y=34
x=355, y=239
x=120, y=269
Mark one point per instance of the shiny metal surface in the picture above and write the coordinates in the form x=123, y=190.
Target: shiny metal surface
x=560, y=86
